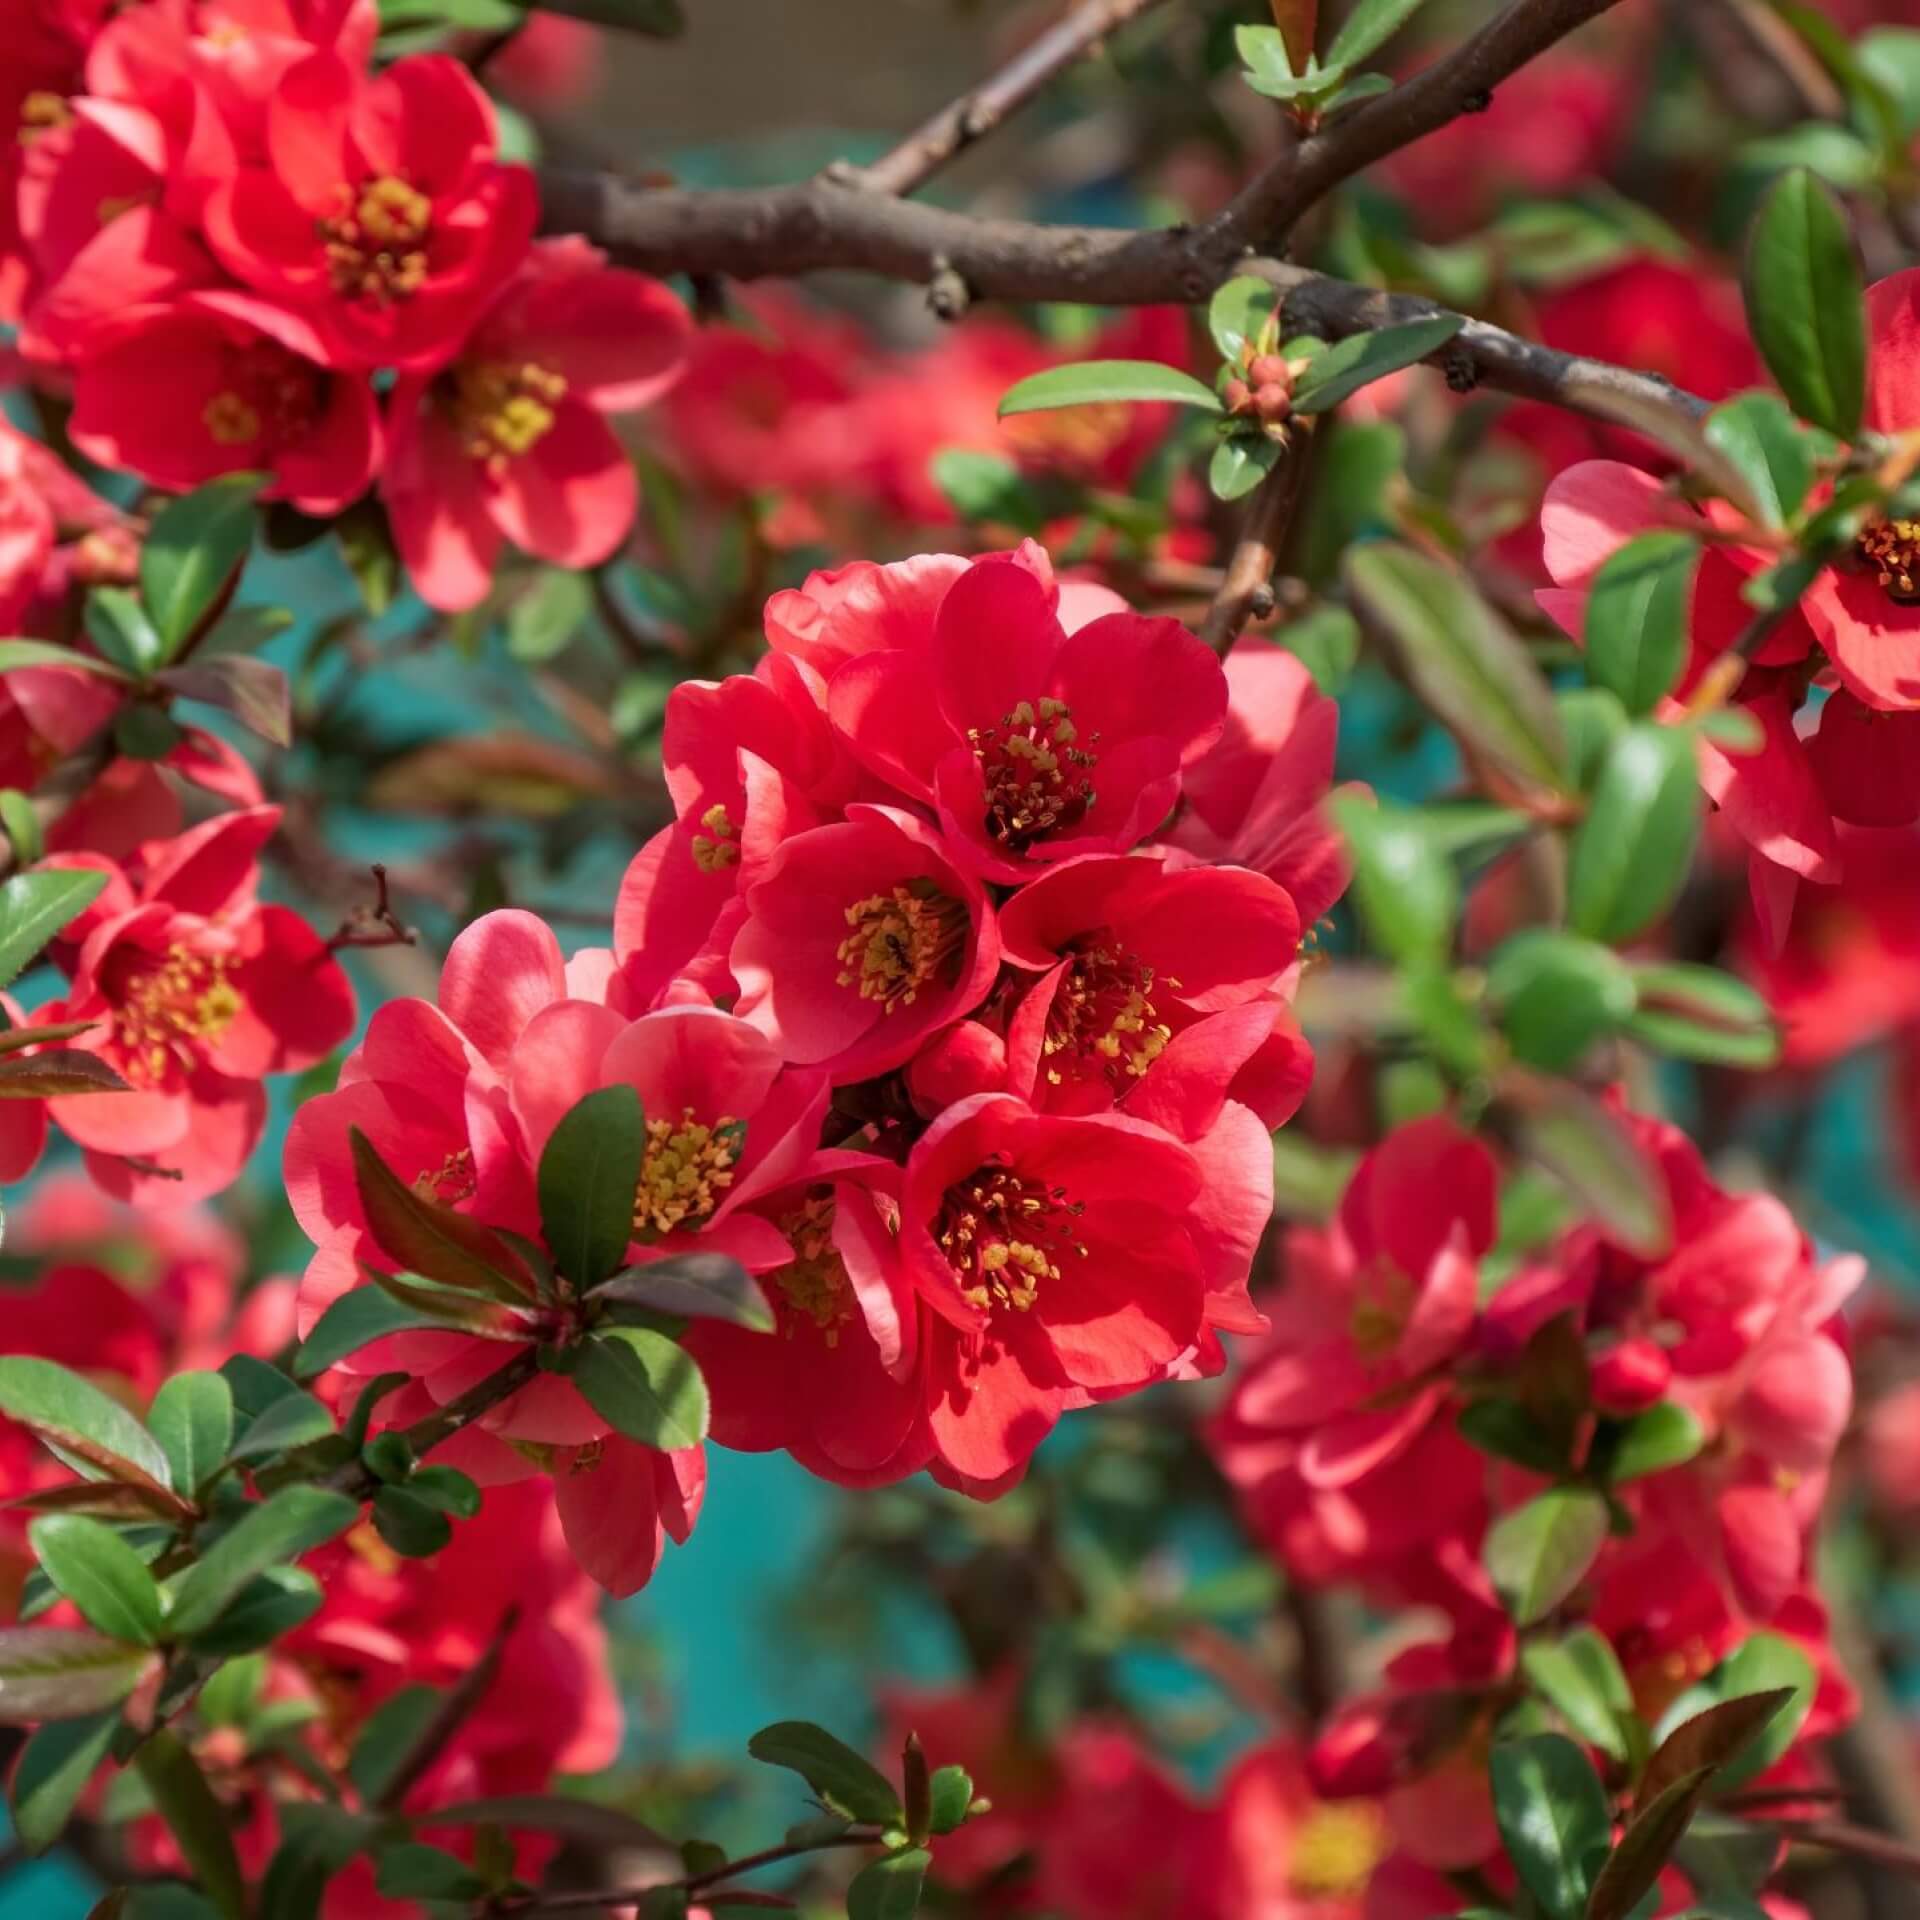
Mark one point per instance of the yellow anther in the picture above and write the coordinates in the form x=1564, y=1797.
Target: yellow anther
x=901, y=940
x=686, y=1169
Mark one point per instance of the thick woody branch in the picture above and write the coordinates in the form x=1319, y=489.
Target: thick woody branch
x=957, y=126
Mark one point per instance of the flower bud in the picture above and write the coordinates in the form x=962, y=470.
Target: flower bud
x=1238, y=396
x=1273, y=402
x=1631, y=1377
x=1268, y=370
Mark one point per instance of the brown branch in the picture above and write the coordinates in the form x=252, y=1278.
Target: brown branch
x=1862, y=1842
x=449, y=1717
x=1246, y=590
x=533, y=1903
x=957, y=126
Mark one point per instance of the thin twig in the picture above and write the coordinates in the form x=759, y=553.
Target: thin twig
x=374, y=926
x=957, y=126
x=1246, y=589
x=536, y=1903
x=452, y=1714
x=1840, y=1836
x=358, y=1482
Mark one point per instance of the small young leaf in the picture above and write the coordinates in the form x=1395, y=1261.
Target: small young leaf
x=100, y=1574
x=1240, y=464
x=589, y=1170
x=35, y=906
x=952, y=1795
x=889, y=1888
x=845, y=1780
x=1102, y=382
x=1368, y=28
x=1362, y=358
x=1651, y=1442
x=1538, y=1553
x=1714, y=1737
x=1636, y=627
x=190, y=553
x=1756, y=435
x=1763, y=1662
x=1634, y=1866
x=644, y=1386
x=1805, y=305
x=1581, y=1677
x=1240, y=315
x=412, y=1527
x=117, y=624
x=1555, y=994
x=433, y=1240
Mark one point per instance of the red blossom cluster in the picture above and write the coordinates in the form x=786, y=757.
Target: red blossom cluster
x=1357, y=1439
x=936, y=1028
x=225, y=234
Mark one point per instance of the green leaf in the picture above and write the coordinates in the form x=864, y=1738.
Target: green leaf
x=35, y=906
x=355, y=1320
x=1892, y=56
x=117, y=624
x=291, y=1421
x=1241, y=315
x=1651, y=1442
x=1463, y=662
x=845, y=1780
x=294, y=1521
x=446, y=1488
x=1645, y=1848
x=1326, y=641
x=889, y=1888
x=589, y=1170
x=1240, y=464
x=433, y=1240
x=144, y=732
x=21, y=826
x=1631, y=854
x=1700, y=1013
x=697, y=1286
x=192, y=1418
x=1368, y=28
x=1356, y=464
x=255, y=692
x=1537, y=1554
x=73, y=1415
x=587, y=1820
x=1554, y=1816
x=1506, y=1430
x=271, y=1604
x=191, y=551
x=1089, y=383
x=100, y=1574
x=1756, y=435
x=644, y=1386
x=1594, y=719
x=1764, y=1662
x=54, y=1768
x=414, y=1871
x=58, y=1072
x=195, y=1819
x=548, y=615
x=987, y=488
x=1581, y=1140
x=389, y=1740
x=414, y=1528
x=1581, y=1678
x=1362, y=358
x=1636, y=628
x=1406, y=892
x=64, y=1673
x=1555, y=994
x=952, y=1795
x=43, y=653
x=1804, y=302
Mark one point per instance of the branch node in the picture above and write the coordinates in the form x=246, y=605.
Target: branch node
x=1480, y=100
x=948, y=295
x=1462, y=375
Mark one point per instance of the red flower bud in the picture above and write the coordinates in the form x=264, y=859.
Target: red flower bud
x=1273, y=401
x=1238, y=396
x=1631, y=1377
x=1268, y=370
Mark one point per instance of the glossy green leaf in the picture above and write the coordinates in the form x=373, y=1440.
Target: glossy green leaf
x=1631, y=854
x=1463, y=661
x=271, y=1604
x=294, y=1521
x=414, y=1528
x=43, y=653
x=952, y=1794
x=103, y=1576
x=1406, y=891
x=1635, y=1865
x=889, y=1888
x=1240, y=464
x=1554, y=1816
x=1755, y=433
x=64, y=1673
x=548, y=615
x=1362, y=358
x=644, y=1386
x=447, y=1488
x=434, y=1241
x=191, y=551
x=696, y=1286
x=1637, y=611
x=1701, y=1013
x=1581, y=1678
x=293, y=1420
x=1763, y=1663
x=987, y=489
x=84, y=1423
x=589, y=1171
x=196, y=1820
x=118, y=626
x=1538, y=1553
x=1584, y=1142
x=1555, y=994
x=35, y=906
x=53, y=1770
x=847, y=1781
x=389, y=1739
x=355, y=1320
x=1093, y=383
x=1652, y=1442
x=414, y=1871
x=1240, y=315
x=1805, y=306
x=1368, y=28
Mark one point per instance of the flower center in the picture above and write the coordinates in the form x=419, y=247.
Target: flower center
x=503, y=411
x=1381, y=1309
x=815, y=1281
x=42, y=112
x=450, y=1182
x=1892, y=550
x=170, y=1011
x=686, y=1168
x=1003, y=1234
x=1335, y=1850
x=719, y=846
x=376, y=247
x=269, y=397
x=900, y=940
x=1036, y=774
x=1103, y=1012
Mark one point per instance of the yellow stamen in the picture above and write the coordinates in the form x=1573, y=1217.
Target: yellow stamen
x=686, y=1169
x=901, y=940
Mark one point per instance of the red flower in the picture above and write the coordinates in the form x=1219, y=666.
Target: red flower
x=1057, y=1259
x=225, y=382
x=860, y=940
x=381, y=208
x=1034, y=744
x=197, y=991
x=508, y=441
